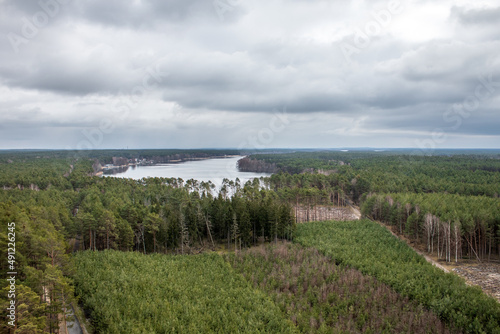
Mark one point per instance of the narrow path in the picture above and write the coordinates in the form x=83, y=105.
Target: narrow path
x=484, y=275
x=427, y=258
x=430, y=260
x=74, y=326
x=355, y=209
x=71, y=326
x=356, y=212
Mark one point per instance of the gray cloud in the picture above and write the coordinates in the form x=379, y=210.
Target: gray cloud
x=165, y=71
x=139, y=14
x=481, y=16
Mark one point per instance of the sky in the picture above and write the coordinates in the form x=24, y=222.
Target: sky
x=249, y=74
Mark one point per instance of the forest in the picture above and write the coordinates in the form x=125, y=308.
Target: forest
x=75, y=231
x=189, y=294
x=59, y=207
x=450, y=202
x=320, y=295
x=372, y=249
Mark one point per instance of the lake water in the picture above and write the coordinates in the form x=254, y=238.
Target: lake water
x=214, y=170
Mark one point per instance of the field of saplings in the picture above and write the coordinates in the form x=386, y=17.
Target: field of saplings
x=338, y=276
x=333, y=277
x=371, y=248
x=320, y=296
x=128, y=292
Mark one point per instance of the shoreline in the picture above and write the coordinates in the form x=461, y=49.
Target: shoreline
x=101, y=171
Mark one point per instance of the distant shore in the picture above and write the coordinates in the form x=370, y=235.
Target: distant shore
x=100, y=171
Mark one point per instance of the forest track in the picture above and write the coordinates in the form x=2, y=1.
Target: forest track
x=482, y=274
x=72, y=326
x=355, y=210
x=426, y=257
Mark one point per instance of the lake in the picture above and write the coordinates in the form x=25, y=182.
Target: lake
x=214, y=170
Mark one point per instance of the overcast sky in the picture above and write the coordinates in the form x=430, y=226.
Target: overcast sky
x=249, y=73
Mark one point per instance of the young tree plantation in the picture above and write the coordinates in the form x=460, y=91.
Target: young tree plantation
x=161, y=255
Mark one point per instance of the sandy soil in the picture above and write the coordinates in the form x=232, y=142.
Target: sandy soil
x=322, y=212
x=486, y=275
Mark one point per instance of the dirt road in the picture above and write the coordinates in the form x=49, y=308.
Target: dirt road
x=484, y=275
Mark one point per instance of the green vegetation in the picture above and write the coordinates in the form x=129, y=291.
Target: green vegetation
x=105, y=156
x=450, y=199
x=369, y=247
x=42, y=173
x=320, y=296
x=58, y=207
x=448, y=203
x=41, y=262
x=363, y=172
x=463, y=174
x=452, y=225
x=128, y=292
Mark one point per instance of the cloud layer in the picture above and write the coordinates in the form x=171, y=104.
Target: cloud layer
x=196, y=73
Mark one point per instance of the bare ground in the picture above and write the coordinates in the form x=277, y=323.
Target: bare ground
x=304, y=213
x=485, y=275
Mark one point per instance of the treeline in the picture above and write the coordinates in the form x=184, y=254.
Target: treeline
x=107, y=155
x=311, y=189
x=160, y=214
x=463, y=174
x=452, y=226
x=158, y=156
x=372, y=249
x=365, y=172
x=298, y=162
x=156, y=214
x=43, y=173
x=58, y=208
x=247, y=164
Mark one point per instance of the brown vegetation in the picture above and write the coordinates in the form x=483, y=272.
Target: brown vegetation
x=319, y=295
